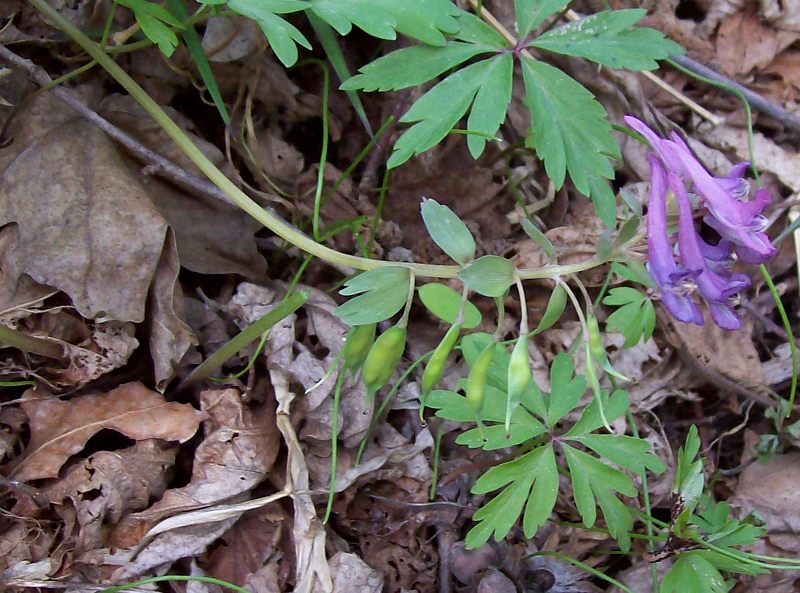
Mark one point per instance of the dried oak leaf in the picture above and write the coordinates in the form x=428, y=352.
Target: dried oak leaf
x=60, y=429
x=238, y=450
x=110, y=484
x=86, y=226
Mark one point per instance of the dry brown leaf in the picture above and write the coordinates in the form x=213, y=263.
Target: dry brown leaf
x=250, y=544
x=86, y=226
x=60, y=429
x=731, y=354
x=110, y=484
x=170, y=336
x=773, y=490
x=230, y=38
x=212, y=237
x=763, y=42
x=239, y=448
x=186, y=542
x=352, y=575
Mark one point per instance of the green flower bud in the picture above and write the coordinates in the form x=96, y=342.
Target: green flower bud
x=519, y=376
x=383, y=357
x=476, y=381
x=595, y=343
x=435, y=367
x=357, y=345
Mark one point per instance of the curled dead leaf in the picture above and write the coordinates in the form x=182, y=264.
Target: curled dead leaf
x=60, y=429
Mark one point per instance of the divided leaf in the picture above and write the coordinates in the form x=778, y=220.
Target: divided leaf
x=608, y=38
x=438, y=110
x=532, y=13
x=530, y=481
x=425, y=20
x=283, y=37
x=571, y=133
x=635, y=318
x=411, y=66
x=154, y=20
x=448, y=231
x=385, y=291
x=593, y=483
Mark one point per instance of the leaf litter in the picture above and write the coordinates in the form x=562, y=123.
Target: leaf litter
x=105, y=479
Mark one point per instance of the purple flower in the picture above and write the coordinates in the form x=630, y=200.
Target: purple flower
x=675, y=283
x=705, y=267
x=716, y=283
x=740, y=222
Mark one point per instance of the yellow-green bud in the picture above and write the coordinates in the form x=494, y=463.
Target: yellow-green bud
x=383, y=357
x=519, y=376
x=595, y=343
x=357, y=345
x=435, y=367
x=476, y=381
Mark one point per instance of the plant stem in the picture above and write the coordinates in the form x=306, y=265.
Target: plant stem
x=265, y=216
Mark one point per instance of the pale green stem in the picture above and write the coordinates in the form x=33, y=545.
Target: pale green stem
x=270, y=220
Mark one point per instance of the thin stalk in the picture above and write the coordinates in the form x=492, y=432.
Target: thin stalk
x=437, y=448
x=337, y=392
x=386, y=401
x=175, y=577
x=787, y=327
x=585, y=567
x=645, y=500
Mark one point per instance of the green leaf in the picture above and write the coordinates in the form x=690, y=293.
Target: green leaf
x=689, y=479
x=590, y=420
x=154, y=20
x=452, y=406
x=634, y=271
x=530, y=481
x=283, y=37
x=385, y=291
x=715, y=521
x=412, y=66
x=692, y=573
x=472, y=345
x=444, y=302
x=635, y=318
x=539, y=238
x=491, y=103
x=571, y=133
x=474, y=29
x=626, y=451
x=448, y=231
x=426, y=20
x=631, y=201
x=489, y=275
x=195, y=46
x=628, y=230
x=607, y=38
x=555, y=308
x=532, y=13
x=595, y=482
x=438, y=110
x=566, y=389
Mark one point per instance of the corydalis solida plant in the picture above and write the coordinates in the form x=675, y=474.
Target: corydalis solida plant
x=702, y=267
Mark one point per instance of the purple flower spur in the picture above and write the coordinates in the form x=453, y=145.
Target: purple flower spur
x=701, y=267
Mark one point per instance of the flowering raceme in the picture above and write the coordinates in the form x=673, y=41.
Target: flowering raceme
x=703, y=267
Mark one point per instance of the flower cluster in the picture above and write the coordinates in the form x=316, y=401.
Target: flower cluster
x=701, y=266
